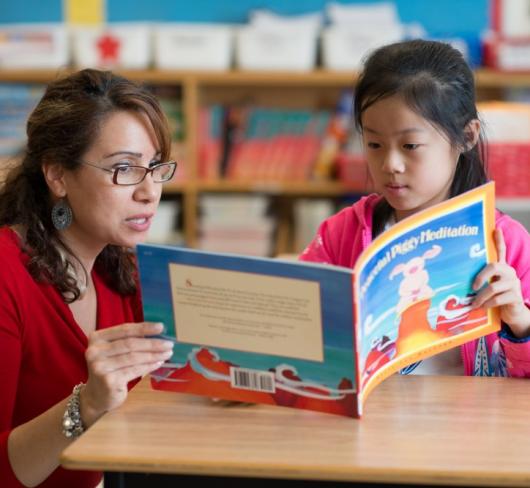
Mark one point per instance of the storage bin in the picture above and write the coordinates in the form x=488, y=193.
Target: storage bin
x=276, y=49
x=343, y=48
x=125, y=46
x=507, y=54
x=33, y=46
x=193, y=46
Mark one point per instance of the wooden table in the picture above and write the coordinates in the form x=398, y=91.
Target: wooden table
x=416, y=430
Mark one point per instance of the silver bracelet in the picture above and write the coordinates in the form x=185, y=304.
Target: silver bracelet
x=72, y=423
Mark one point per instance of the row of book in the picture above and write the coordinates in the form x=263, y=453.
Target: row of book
x=254, y=143
x=274, y=144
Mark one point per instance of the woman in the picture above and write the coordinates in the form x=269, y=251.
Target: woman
x=70, y=314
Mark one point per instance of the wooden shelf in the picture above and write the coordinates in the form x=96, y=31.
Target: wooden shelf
x=485, y=78
x=309, y=188
x=270, y=78
x=30, y=76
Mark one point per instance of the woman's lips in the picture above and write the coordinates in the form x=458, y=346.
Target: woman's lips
x=140, y=223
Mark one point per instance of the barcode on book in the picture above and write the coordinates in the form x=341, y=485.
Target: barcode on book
x=251, y=379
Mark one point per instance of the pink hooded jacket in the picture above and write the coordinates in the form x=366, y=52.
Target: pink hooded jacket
x=341, y=239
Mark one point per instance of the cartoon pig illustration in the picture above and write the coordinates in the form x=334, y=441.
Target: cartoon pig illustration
x=414, y=285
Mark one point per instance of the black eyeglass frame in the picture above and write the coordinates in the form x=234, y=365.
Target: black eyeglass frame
x=116, y=170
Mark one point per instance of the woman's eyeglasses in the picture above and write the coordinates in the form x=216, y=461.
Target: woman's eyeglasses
x=134, y=175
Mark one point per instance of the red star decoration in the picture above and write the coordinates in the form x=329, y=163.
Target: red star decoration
x=109, y=48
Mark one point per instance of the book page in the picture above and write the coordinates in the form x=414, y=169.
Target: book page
x=414, y=295
x=247, y=312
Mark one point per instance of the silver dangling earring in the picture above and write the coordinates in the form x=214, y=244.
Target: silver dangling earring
x=62, y=215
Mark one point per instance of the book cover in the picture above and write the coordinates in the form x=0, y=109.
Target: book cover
x=315, y=336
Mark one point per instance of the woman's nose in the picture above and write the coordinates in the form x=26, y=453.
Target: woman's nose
x=147, y=189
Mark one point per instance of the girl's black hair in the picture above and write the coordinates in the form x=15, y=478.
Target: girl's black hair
x=435, y=81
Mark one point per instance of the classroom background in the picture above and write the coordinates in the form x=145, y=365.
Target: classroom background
x=259, y=97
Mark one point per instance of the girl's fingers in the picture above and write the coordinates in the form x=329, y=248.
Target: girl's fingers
x=501, y=245
x=137, y=329
x=509, y=298
x=494, y=272
x=495, y=288
x=487, y=274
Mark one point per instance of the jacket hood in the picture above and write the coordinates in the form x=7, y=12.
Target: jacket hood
x=364, y=210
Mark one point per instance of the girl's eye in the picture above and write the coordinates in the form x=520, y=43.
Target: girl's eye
x=154, y=163
x=411, y=147
x=373, y=145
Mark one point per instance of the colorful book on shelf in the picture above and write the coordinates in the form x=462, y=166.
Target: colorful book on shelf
x=309, y=146
x=210, y=125
x=315, y=336
x=16, y=103
x=276, y=145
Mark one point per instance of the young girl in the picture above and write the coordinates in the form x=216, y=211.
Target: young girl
x=415, y=108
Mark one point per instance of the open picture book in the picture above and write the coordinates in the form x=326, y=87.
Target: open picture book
x=316, y=336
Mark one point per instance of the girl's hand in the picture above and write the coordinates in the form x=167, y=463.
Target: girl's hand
x=503, y=291
x=116, y=356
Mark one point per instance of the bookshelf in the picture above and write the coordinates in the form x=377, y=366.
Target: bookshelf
x=319, y=88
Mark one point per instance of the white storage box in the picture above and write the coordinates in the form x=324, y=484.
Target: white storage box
x=112, y=46
x=163, y=225
x=344, y=49
x=511, y=18
x=193, y=46
x=507, y=54
x=276, y=49
x=34, y=46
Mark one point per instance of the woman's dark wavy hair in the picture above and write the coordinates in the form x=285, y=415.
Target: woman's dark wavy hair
x=435, y=81
x=61, y=129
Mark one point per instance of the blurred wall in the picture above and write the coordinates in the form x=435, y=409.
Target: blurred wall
x=463, y=18
x=437, y=17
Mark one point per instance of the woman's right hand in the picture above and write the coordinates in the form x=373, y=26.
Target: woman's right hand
x=115, y=356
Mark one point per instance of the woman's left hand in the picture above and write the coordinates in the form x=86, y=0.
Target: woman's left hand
x=503, y=291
